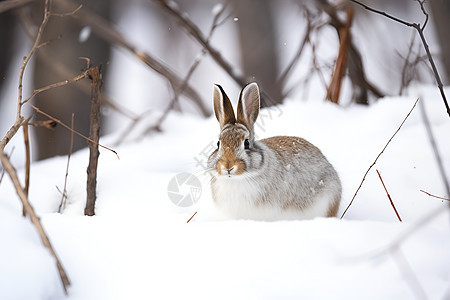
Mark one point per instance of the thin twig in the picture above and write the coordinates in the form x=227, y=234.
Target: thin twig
x=378, y=156
x=424, y=42
x=55, y=85
x=64, y=196
x=431, y=195
x=70, y=129
x=389, y=197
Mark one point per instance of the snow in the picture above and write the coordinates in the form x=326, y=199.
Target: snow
x=139, y=245
x=84, y=35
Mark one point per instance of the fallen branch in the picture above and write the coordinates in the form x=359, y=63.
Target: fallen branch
x=94, y=134
x=419, y=30
x=389, y=197
x=33, y=217
x=378, y=156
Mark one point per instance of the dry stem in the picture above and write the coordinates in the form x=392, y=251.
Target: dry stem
x=64, y=197
x=378, y=156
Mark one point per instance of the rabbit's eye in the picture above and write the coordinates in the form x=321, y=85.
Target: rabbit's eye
x=218, y=144
x=246, y=144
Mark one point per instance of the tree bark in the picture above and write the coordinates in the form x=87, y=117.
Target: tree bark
x=258, y=46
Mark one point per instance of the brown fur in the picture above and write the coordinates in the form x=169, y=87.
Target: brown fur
x=333, y=209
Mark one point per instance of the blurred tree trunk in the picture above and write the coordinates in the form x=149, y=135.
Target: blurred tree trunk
x=7, y=29
x=66, y=48
x=441, y=19
x=256, y=33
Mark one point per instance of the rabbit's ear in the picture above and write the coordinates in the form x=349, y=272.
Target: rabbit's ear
x=248, y=106
x=222, y=107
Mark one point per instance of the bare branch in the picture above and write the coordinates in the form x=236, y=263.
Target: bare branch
x=434, y=196
x=424, y=42
x=378, y=156
x=55, y=85
x=64, y=196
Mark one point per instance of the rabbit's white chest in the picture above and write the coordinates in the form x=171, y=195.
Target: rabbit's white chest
x=237, y=197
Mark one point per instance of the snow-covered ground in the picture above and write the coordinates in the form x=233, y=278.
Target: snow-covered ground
x=139, y=245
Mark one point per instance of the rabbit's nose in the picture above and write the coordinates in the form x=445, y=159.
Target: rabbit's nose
x=229, y=170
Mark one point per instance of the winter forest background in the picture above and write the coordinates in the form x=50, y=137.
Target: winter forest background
x=339, y=74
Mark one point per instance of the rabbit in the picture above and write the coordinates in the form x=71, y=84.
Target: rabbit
x=278, y=178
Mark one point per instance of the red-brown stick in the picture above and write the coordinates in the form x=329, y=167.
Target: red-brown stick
x=389, y=196
x=191, y=217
